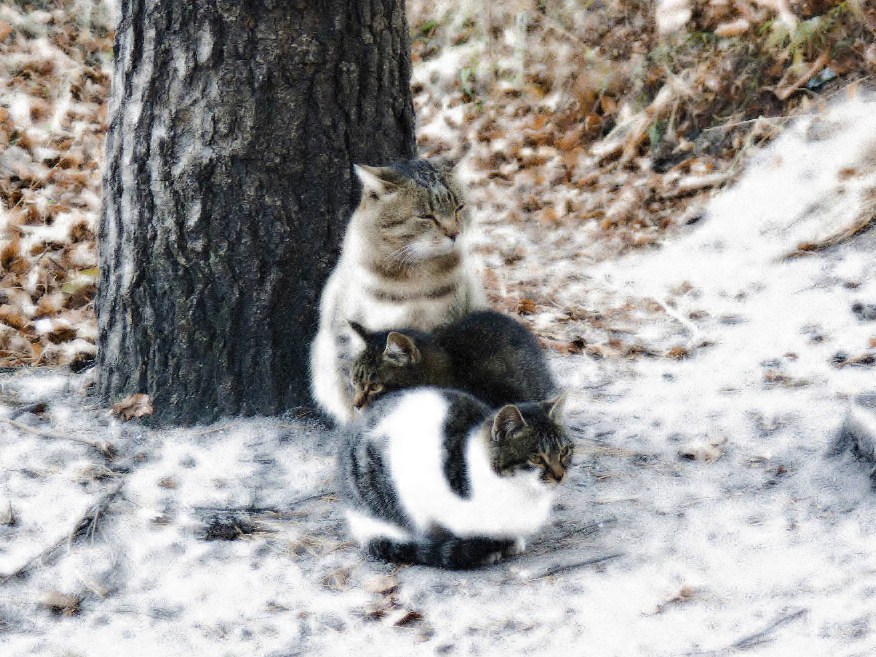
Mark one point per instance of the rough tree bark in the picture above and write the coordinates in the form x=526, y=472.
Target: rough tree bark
x=233, y=128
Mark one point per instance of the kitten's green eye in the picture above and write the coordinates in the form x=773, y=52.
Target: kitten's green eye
x=377, y=387
x=566, y=456
x=538, y=461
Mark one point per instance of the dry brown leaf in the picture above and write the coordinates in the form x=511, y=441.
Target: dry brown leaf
x=733, y=28
x=135, y=406
x=382, y=585
x=61, y=603
x=699, y=450
x=526, y=307
x=403, y=617
x=337, y=580
x=684, y=594
x=49, y=304
x=12, y=317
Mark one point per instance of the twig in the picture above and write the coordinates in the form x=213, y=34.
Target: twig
x=678, y=317
x=760, y=119
x=758, y=637
x=253, y=511
x=817, y=65
x=862, y=225
x=751, y=640
x=551, y=24
x=561, y=568
x=106, y=449
x=85, y=526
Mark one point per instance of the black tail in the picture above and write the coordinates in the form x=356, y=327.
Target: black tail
x=450, y=553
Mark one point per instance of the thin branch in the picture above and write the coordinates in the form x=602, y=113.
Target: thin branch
x=253, y=511
x=758, y=637
x=561, y=568
x=760, y=119
x=864, y=224
x=752, y=640
x=105, y=448
x=84, y=527
x=817, y=65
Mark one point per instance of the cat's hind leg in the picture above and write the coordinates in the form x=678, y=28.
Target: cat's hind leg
x=452, y=554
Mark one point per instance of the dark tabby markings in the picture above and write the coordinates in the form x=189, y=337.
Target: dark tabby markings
x=452, y=553
x=394, y=272
x=436, y=293
x=462, y=415
x=366, y=480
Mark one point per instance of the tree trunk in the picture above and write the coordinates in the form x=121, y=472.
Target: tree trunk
x=233, y=128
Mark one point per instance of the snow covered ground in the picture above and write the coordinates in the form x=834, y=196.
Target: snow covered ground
x=704, y=516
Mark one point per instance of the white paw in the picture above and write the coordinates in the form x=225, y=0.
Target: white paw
x=493, y=559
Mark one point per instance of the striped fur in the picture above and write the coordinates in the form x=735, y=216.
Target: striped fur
x=432, y=476
x=486, y=353
x=403, y=263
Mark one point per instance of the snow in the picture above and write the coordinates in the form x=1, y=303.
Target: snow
x=758, y=542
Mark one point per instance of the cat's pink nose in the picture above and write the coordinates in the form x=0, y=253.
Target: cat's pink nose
x=453, y=234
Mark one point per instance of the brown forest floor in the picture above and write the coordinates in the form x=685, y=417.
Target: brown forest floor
x=593, y=128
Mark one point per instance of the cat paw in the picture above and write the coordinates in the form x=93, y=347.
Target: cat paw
x=517, y=547
x=493, y=559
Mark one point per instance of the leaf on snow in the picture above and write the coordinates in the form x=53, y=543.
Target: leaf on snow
x=135, y=406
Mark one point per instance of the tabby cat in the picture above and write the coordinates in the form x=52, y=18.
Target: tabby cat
x=489, y=355
x=402, y=263
x=432, y=476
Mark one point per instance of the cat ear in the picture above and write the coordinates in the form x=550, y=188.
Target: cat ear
x=401, y=350
x=507, y=422
x=448, y=163
x=378, y=180
x=555, y=407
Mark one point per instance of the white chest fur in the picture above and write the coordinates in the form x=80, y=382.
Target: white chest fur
x=501, y=507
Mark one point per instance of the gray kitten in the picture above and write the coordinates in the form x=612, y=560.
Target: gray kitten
x=487, y=354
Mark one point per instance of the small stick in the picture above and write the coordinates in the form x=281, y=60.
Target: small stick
x=261, y=511
x=860, y=226
x=106, y=449
x=758, y=637
x=560, y=568
x=817, y=65
x=751, y=640
x=87, y=522
x=760, y=119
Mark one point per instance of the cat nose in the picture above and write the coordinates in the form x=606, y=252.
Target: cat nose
x=453, y=234
x=359, y=401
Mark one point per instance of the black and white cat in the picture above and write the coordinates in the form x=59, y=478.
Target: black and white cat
x=487, y=354
x=433, y=476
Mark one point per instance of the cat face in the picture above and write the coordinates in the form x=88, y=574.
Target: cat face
x=383, y=367
x=415, y=209
x=529, y=438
